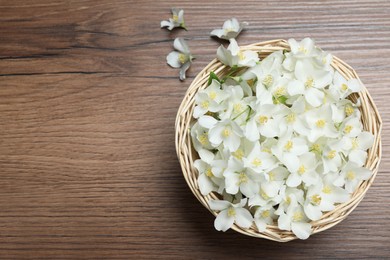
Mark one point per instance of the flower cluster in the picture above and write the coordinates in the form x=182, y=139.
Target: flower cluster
x=182, y=58
x=278, y=139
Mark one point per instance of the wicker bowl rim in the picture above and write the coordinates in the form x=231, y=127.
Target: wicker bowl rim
x=187, y=155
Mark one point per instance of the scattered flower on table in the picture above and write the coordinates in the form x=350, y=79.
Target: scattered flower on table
x=280, y=135
x=181, y=58
x=177, y=20
x=231, y=29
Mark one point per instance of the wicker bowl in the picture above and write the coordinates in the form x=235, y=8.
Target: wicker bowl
x=187, y=155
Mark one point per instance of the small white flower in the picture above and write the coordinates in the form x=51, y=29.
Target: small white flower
x=177, y=20
x=303, y=170
x=231, y=29
x=289, y=148
x=319, y=123
x=200, y=137
x=259, y=161
x=226, y=132
x=230, y=213
x=239, y=178
x=296, y=221
x=264, y=216
x=209, y=99
x=310, y=82
x=234, y=57
x=358, y=147
x=210, y=172
x=181, y=58
x=351, y=176
x=341, y=88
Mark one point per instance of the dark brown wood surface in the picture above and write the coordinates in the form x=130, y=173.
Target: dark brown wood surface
x=87, y=109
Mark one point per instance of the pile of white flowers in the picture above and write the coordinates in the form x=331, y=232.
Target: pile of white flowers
x=278, y=139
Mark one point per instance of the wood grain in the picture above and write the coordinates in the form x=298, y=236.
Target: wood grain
x=87, y=110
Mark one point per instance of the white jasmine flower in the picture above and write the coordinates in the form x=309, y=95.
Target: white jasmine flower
x=200, y=137
x=351, y=176
x=231, y=29
x=209, y=99
x=234, y=57
x=331, y=154
x=238, y=178
x=181, y=58
x=358, y=147
x=295, y=220
x=294, y=118
x=322, y=197
x=310, y=82
x=289, y=196
x=289, y=148
x=259, y=161
x=210, y=172
x=305, y=48
x=177, y=20
x=230, y=213
x=351, y=127
x=264, y=216
x=264, y=122
x=341, y=88
x=303, y=170
x=226, y=132
x=319, y=122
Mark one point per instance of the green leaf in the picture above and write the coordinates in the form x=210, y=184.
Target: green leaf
x=213, y=76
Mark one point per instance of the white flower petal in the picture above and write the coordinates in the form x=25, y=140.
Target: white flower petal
x=301, y=230
x=217, y=32
x=219, y=204
x=173, y=59
x=314, y=97
x=284, y=222
x=207, y=121
x=313, y=212
x=205, y=184
x=223, y=222
x=260, y=224
x=180, y=45
x=244, y=219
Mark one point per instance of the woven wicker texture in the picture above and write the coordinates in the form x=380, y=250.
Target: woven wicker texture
x=187, y=155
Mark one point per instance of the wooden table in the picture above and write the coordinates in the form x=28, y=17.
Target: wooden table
x=87, y=110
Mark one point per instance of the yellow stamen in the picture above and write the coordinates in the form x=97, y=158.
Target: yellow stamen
x=265, y=214
x=288, y=146
x=237, y=108
x=309, y=82
x=349, y=110
x=231, y=212
x=266, y=150
x=238, y=154
x=326, y=189
x=257, y=162
x=262, y=119
x=205, y=104
x=226, y=132
x=355, y=143
x=316, y=148
x=344, y=87
x=351, y=175
x=331, y=154
x=212, y=95
x=209, y=173
x=280, y=91
x=203, y=138
x=315, y=199
x=268, y=80
x=175, y=18
x=182, y=58
x=272, y=176
x=298, y=216
x=241, y=55
x=302, y=49
x=264, y=195
x=301, y=169
x=242, y=178
x=320, y=123
x=348, y=129
x=290, y=118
